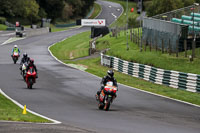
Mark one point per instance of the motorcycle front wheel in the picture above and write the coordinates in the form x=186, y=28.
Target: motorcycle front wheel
x=107, y=105
x=100, y=105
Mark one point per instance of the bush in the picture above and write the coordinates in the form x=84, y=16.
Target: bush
x=133, y=23
x=2, y=20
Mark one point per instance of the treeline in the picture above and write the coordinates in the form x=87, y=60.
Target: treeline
x=33, y=10
x=161, y=6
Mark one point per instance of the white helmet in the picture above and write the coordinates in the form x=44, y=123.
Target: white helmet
x=15, y=46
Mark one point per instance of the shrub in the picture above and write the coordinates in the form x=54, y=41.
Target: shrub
x=2, y=20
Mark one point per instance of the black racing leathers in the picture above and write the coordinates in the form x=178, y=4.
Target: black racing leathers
x=23, y=60
x=106, y=79
x=31, y=65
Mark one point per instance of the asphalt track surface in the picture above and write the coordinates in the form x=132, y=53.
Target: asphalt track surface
x=67, y=94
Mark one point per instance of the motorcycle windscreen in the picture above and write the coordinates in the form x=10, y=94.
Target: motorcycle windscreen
x=110, y=83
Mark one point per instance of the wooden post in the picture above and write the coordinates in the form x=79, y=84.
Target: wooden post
x=90, y=49
x=193, y=49
x=177, y=42
x=138, y=37
x=162, y=46
x=150, y=44
x=156, y=41
x=145, y=44
x=185, y=47
x=131, y=32
x=116, y=32
x=169, y=47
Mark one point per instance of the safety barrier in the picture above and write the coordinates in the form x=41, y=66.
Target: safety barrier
x=174, y=79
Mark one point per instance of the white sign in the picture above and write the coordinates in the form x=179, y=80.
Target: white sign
x=93, y=22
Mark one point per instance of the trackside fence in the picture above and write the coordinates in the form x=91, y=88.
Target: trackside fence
x=174, y=79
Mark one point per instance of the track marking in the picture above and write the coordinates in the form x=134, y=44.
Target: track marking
x=21, y=106
x=6, y=41
x=113, y=15
x=12, y=39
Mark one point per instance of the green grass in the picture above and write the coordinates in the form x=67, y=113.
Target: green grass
x=56, y=29
x=73, y=47
x=11, y=112
x=2, y=27
x=157, y=59
x=97, y=9
x=121, y=21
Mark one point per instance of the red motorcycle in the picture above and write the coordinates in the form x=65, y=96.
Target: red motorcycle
x=15, y=57
x=107, y=96
x=30, y=77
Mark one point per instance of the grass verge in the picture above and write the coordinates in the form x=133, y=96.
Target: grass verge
x=97, y=9
x=157, y=59
x=2, y=27
x=11, y=112
x=72, y=48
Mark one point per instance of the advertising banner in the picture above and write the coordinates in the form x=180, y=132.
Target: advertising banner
x=93, y=22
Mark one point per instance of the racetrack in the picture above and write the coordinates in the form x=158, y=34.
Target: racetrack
x=67, y=94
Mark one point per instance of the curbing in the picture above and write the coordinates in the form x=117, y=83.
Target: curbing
x=186, y=81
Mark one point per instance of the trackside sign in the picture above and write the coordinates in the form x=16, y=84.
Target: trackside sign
x=93, y=22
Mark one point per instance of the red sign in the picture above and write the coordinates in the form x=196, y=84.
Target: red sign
x=132, y=9
x=17, y=24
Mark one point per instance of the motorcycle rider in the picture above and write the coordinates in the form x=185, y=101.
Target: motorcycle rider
x=105, y=79
x=25, y=59
x=15, y=49
x=31, y=64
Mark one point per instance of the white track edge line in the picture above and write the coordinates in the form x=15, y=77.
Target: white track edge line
x=22, y=107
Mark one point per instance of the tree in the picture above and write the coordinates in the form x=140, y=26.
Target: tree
x=31, y=9
x=161, y=6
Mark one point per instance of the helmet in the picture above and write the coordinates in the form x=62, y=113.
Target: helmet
x=25, y=55
x=31, y=61
x=110, y=73
x=15, y=46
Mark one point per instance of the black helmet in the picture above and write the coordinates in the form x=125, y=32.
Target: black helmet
x=110, y=73
x=25, y=55
x=31, y=61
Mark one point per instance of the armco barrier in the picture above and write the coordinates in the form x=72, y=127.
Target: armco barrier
x=175, y=79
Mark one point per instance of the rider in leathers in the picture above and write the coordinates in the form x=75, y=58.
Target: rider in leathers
x=31, y=64
x=107, y=78
x=24, y=59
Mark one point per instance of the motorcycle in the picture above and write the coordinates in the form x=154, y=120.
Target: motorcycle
x=107, y=96
x=30, y=77
x=23, y=70
x=15, y=57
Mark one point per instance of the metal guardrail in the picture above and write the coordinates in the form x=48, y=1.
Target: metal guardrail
x=9, y=24
x=174, y=79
